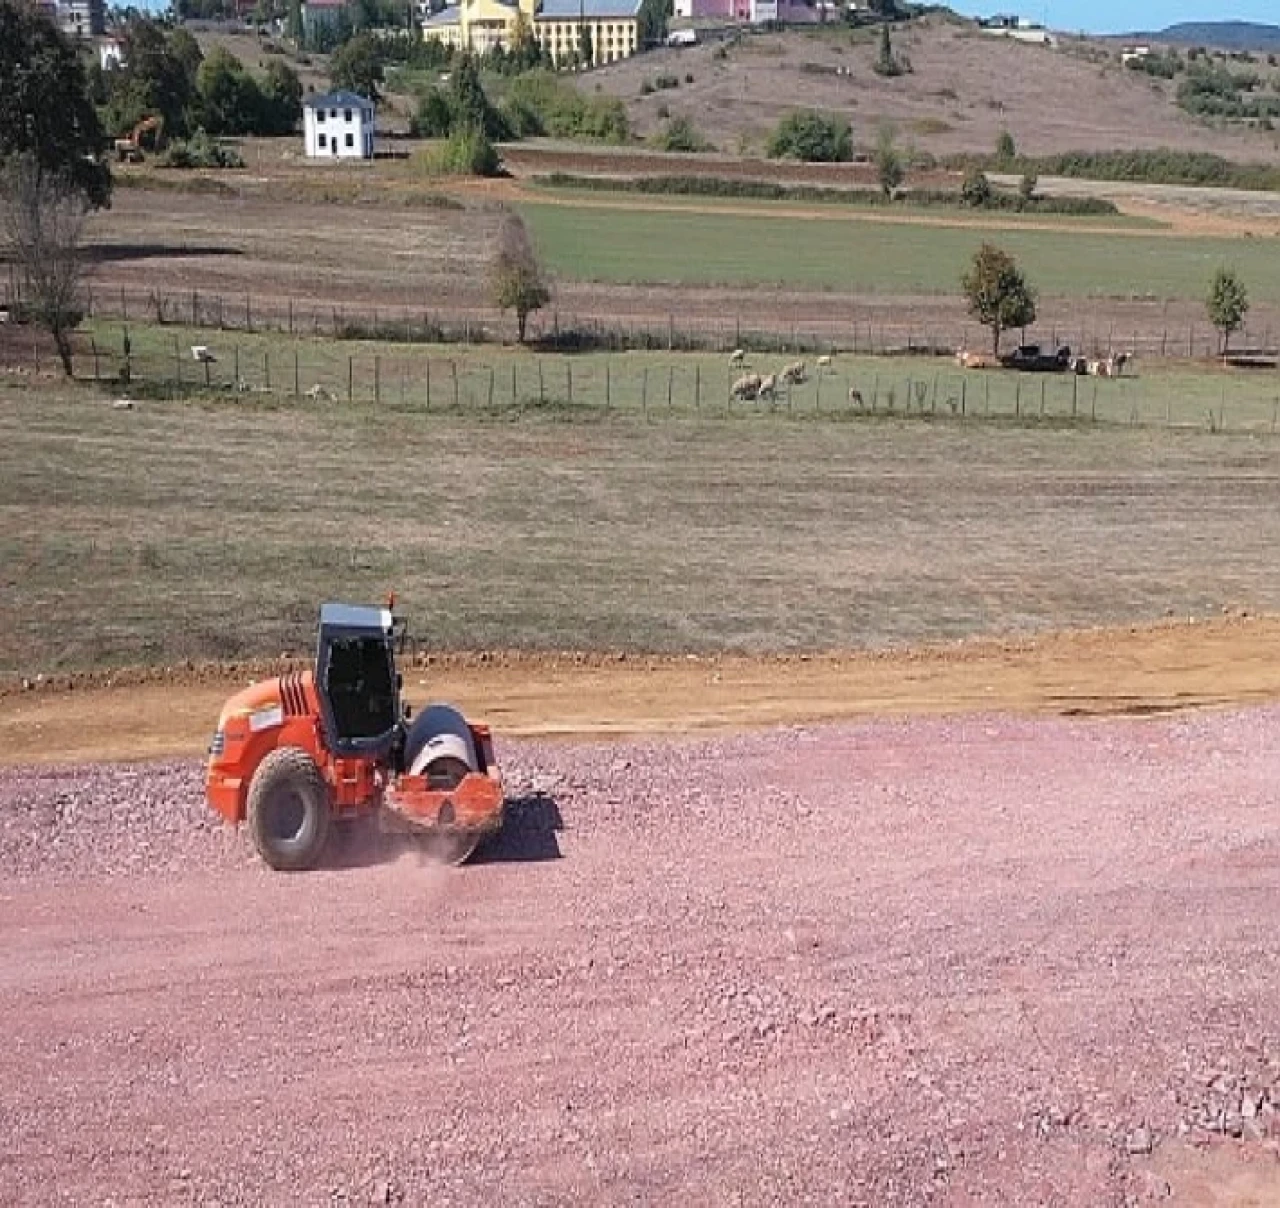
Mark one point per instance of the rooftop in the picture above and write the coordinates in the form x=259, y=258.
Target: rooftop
x=337, y=100
x=594, y=9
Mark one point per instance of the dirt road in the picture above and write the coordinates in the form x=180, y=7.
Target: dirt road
x=976, y=961
x=927, y=958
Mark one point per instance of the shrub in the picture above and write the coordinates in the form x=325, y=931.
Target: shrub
x=544, y=104
x=812, y=137
x=976, y=189
x=200, y=151
x=434, y=116
x=680, y=134
x=466, y=152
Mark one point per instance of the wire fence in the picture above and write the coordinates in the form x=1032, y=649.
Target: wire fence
x=170, y=362
x=879, y=331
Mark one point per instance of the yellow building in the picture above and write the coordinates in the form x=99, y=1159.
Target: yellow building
x=480, y=25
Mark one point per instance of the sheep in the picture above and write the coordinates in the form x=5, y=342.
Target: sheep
x=318, y=394
x=768, y=386
x=793, y=373
x=737, y=356
x=855, y=397
x=746, y=387
x=972, y=360
x=824, y=362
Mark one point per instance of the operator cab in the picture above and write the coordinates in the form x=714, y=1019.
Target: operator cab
x=356, y=679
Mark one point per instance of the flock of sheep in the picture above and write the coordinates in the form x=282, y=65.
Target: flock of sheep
x=755, y=387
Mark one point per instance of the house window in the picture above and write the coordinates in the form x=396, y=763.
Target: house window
x=351, y=140
x=347, y=114
x=319, y=115
x=321, y=142
x=333, y=113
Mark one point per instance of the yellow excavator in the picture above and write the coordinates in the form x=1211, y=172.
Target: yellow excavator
x=129, y=148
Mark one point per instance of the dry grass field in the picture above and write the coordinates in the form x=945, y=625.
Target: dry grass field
x=965, y=87
x=210, y=529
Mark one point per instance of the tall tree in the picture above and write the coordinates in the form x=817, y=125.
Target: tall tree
x=889, y=169
x=157, y=80
x=998, y=294
x=42, y=216
x=45, y=108
x=1227, y=304
x=282, y=99
x=518, y=282
x=357, y=67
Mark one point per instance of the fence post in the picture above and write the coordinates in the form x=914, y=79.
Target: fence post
x=237, y=362
x=513, y=383
x=266, y=368
x=94, y=345
x=644, y=391
x=177, y=361
x=377, y=380
x=453, y=373
x=297, y=393
x=195, y=309
x=697, y=387
x=541, y=391
x=124, y=306
x=608, y=391
x=491, y=373
x=670, y=377
x=1075, y=389
x=568, y=379
x=428, y=383
x=964, y=395
x=248, y=314
x=350, y=380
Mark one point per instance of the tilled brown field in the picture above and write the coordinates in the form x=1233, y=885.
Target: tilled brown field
x=947, y=961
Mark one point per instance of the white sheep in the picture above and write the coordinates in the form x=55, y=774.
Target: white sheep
x=737, y=356
x=768, y=386
x=746, y=387
x=824, y=362
x=794, y=372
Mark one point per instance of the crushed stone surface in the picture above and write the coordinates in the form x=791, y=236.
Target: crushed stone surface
x=975, y=961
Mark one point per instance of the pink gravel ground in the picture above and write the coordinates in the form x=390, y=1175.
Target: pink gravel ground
x=956, y=962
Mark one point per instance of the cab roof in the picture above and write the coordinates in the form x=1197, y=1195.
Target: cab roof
x=355, y=617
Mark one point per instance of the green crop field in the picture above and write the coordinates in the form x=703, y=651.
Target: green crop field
x=855, y=253
x=209, y=525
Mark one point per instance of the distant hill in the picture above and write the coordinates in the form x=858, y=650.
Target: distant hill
x=1224, y=35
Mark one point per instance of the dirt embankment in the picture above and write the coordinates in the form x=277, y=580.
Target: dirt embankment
x=149, y=713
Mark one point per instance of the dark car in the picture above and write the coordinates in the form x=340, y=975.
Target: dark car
x=1033, y=358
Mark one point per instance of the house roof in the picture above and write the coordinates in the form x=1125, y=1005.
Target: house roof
x=446, y=16
x=337, y=100
x=594, y=9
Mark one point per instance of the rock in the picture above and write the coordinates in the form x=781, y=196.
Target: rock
x=1139, y=1141
x=1233, y=1125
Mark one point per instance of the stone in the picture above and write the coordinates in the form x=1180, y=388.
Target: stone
x=1139, y=1141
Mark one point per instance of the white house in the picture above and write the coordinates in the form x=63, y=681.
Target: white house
x=338, y=125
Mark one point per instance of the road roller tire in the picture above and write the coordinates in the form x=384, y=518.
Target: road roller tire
x=289, y=811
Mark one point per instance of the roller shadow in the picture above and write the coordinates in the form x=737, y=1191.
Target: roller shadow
x=528, y=835
x=529, y=832
x=110, y=253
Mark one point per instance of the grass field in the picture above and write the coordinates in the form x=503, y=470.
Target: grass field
x=273, y=369
x=212, y=528
x=853, y=253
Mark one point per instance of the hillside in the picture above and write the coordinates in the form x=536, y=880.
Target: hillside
x=1222, y=35
x=964, y=88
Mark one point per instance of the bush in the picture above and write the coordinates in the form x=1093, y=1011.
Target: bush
x=200, y=151
x=680, y=134
x=434, y=116
x=540, y=103
x=976, y=190
x=812, y=137
x=466, y=152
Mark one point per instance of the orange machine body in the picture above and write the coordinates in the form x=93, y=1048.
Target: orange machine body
x=285, y=711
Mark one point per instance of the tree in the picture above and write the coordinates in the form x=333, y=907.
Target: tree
x=813, y=137
x=976, y=189
x=1006, y=152
x=518, y=282
x=357, y=67
x=230, y=100
x=889, y=168
x=886, y=63
x=1027, y=186
x=998, y=294
x=281, y=99
x=45, y=107
x=43, y=221
x=156, y=80
x=652, y=19
x=1227, y=304
x=586, y=52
